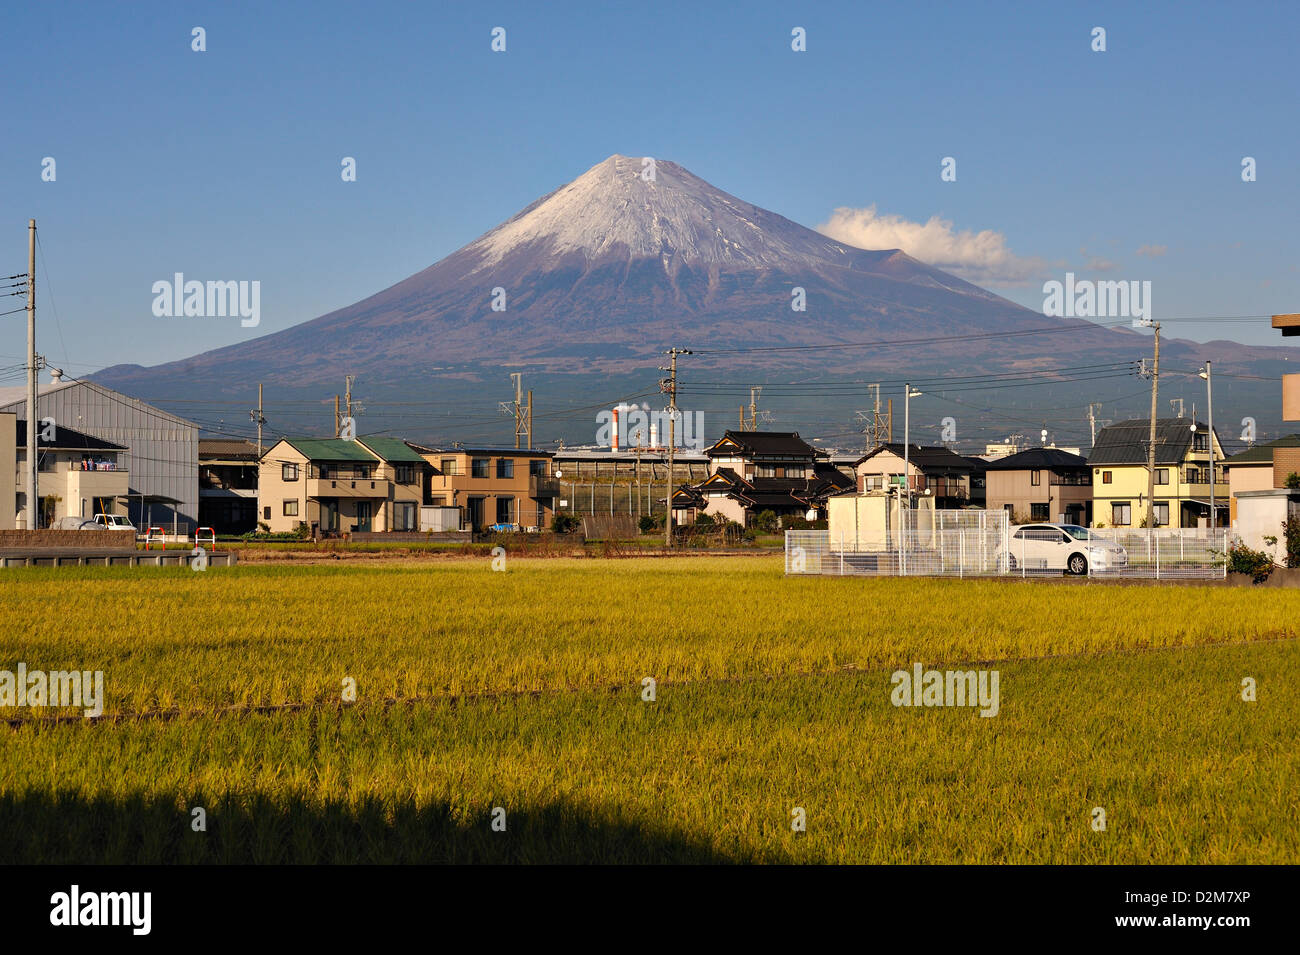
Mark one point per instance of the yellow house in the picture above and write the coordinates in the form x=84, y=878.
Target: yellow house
x=503, y=487
x=335, y=485
x=1182, y=480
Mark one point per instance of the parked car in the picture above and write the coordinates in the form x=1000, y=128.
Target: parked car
x=114, y=522
x=1066, y=547
x=76, y=524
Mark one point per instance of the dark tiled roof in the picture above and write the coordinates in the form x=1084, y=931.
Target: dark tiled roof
x=766, y=442
x=1125, y=442
x=499, y=452
x=1263, y=453
x=926, y=458
x=236, y=448
x=66, y=439
x=1036, y=459
x=977, y=465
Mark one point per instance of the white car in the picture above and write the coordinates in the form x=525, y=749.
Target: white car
x=1067, y=547
x=114, y=522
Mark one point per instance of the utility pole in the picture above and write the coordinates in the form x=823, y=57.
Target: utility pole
x=753, y=407
x=257, y=417
x=33, y=419
x=1209, y=393
x=1092, y=420
x=349, y=395
x=1178, y=404
x=336, y=416
x=1151, y=442
x=669, y=385
x=530, y=419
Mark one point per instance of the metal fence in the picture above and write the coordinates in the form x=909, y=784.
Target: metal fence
x=991, y=548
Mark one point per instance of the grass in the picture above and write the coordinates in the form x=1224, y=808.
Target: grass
x=773, y=693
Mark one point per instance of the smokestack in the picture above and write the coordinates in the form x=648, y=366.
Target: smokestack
x=613, y=438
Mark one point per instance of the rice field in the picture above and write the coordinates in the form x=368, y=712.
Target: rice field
x=521, y=691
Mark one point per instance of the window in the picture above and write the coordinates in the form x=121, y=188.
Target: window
x=404, y=473
x=1201, y=441
x=1196, y=475
x=505, y=510
x=1105, y=477
x=291, y=508
x=288, y=472
x=505, y=467
x=537, y=467
x=1161, y=514
x=479, y=467
x=873, y=482
x=794, y=472
x=1121, y=513
x=447, y=466
x=266, y=513
x=1036, y=478
x=1038, y=512
x=1162, y=475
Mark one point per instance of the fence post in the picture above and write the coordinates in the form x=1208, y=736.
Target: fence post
x=1022, y=554
x=1158, y=553
x=961, y=554
x=841, y=553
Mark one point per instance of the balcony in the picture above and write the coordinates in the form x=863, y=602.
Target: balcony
x=541, y=486
x=341, y=487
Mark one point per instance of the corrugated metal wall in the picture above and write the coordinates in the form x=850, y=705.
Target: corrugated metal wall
x=164, y=450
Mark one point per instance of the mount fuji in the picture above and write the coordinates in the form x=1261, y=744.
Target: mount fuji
x=592, y=282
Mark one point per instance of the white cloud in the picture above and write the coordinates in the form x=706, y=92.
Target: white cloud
x=1154, y=251
x=979, y=257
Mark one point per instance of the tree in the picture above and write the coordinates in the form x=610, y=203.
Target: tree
x=1293, y=481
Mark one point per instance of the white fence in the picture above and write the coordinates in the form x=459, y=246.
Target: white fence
x=991, y=548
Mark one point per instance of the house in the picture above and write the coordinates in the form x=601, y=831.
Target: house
x=934, y=472
x=337, y=485
x=492, y=486
x=78, y=475
x=228, y=485
x=757, y=471
x=1262, y=468
x=160, y=450
x=978, y=481
x=1042, y=484
x=1182, y=480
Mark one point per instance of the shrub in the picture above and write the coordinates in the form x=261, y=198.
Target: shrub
x=765, y=522
x=649, y=525
x=1291, y=534
x=1293, y=481
x=1243, y=560
x=565, y=523
x=705, y=520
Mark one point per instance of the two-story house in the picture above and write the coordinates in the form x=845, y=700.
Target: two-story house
x=935, y=472
x=228, y=485
x=77, y=475
x=1041, y=484
x=493, y=487
x=1182, y=475
x=336, y=485
x=756, y=471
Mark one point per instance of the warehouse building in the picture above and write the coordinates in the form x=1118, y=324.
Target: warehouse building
x=162, y=450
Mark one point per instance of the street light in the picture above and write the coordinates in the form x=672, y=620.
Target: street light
x=908, y=394
x=1209, y=392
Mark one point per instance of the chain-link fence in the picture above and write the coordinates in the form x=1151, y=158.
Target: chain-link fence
x=974, y=543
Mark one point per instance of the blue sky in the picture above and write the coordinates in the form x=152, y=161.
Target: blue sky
x=225, y=164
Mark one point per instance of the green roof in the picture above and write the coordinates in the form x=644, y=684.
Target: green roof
x=330, y=449
x=1263, y=453
x=391, y=449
